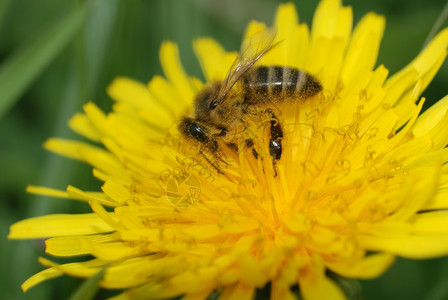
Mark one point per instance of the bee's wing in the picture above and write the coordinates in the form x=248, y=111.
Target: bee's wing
x=251, y=50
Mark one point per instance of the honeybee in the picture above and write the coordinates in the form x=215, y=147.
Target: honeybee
x=221, y=105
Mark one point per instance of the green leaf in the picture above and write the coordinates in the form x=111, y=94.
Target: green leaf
x=89, y=288
x=20, y=70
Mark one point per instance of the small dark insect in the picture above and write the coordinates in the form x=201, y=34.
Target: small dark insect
x=219, y=107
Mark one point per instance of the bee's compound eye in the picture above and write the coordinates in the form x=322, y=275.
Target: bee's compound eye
x=198, y=132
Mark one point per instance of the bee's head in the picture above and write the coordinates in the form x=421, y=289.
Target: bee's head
x=206, y=101
x=218, y=112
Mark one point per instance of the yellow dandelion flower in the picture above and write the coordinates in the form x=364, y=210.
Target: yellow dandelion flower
x=360, y=179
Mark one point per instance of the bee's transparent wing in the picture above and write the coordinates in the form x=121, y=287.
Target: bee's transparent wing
x=251, y=50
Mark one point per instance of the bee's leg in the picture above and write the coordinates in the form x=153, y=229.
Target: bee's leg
x=233, y=146
x=274, y=166
x=250, y=144
x=223, y=132
x=201, y=133
x=275, y=142
x=218, y=156
x=213, y=149
x=215, y=166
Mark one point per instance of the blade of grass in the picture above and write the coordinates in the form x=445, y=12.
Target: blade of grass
x=20, y=70
x=78, y=88
x=101, y=27
x=89, y=288
x=4, y=5
x=437, y=24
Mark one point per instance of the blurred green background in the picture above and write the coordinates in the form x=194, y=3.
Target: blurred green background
x=57, y=55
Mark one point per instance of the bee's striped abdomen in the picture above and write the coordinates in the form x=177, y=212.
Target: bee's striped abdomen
x=280, y=82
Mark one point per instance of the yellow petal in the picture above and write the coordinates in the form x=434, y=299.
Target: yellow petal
x=72, y=245
x=439, y=134
x=314, y=285
x=421, y=187
x=239, y=291
x=82, y=269
x=201, y=232
x=212, y=58
x=286, y=21
x=429, y=119
x=64, y=247
x=440, y=201
x=167, y=95
x=118, y=192
x=364, y=46
x=174, y=71
x=91, y=196
x=427, y=59
x=252, y=28
x=282, y=292
x=97, y=117
x=137, y=95
x=370, y=267
x=325, y=19
x=197, y=282
x=302, y=40
x=156, y=290
x=250, y=271
x=109, y=251
x=139, y=269
x=414, y=246
x=105, y=215
x=399, y=87
x=130, y=133
x=58, y=225
x=374, y=92
x=41, y=190
x=71, y=193
x=81, y=124
x=41, y=277
x=95, y=156
x=434, y=222
x=332, y=24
